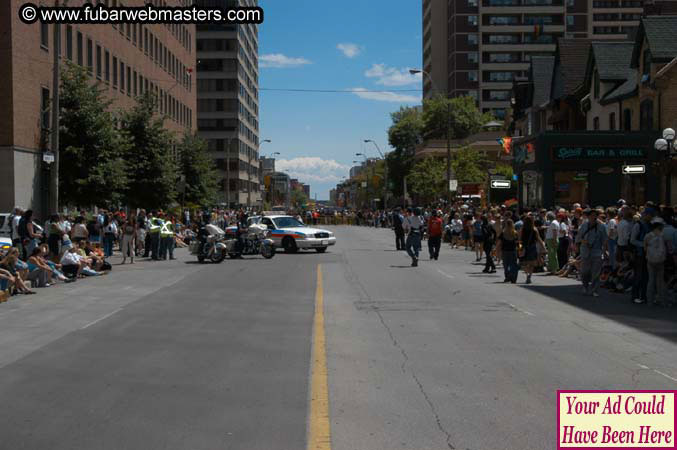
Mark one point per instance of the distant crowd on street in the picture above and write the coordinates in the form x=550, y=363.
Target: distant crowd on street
x=624, y=248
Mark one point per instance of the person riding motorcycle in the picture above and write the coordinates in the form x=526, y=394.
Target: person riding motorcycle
x=202, y=233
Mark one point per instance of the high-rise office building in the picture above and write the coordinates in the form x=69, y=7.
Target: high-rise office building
x=125, y=60
x=490, y=42
x=228, y=103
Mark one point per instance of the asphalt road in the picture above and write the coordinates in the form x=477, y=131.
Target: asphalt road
x=175, y=355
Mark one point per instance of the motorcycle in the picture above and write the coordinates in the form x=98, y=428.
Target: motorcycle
x=213, y=248
x=256, y=242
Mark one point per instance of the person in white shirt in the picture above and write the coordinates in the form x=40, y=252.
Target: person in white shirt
x=14, y=230
x=456, y=230
x=71, y=263
x=623, y=230
x=551, y=243
x=413, y=227
x=563, y=241
x=612, y=230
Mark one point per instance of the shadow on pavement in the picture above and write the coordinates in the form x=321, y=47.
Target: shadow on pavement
x=659, y=321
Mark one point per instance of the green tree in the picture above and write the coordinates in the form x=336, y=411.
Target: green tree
x=199, y=171
x=470, y=166
x=403, y=135
x=92, y=168
x=154, y=174
x=460, y=114
x=427, y=178
x=298, y=198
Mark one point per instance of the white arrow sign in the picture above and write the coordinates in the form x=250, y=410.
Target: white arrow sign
x=500, y=184
x=633, y=170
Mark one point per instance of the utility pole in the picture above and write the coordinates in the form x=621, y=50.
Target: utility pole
x=448, y=153
x=228, y=173
x=56, y=79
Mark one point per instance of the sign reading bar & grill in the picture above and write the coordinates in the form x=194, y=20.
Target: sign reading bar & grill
x=598, y=152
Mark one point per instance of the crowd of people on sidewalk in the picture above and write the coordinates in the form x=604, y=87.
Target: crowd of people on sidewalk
x=68, y=247
x=623, y=248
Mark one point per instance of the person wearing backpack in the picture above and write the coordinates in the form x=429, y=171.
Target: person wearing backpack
x=656, y=254
x=639, y=231
x=435, y=226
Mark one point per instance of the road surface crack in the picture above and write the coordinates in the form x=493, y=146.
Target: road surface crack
x=352, y=277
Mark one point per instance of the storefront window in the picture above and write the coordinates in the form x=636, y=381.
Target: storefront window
x=571, y=187
x=633, y=189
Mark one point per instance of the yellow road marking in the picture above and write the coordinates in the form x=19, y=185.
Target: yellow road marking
x=319, y=429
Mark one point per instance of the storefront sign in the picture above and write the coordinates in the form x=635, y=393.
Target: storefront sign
x=500, y=184
x=634, y=170
x=606, y=170
x=598, y=152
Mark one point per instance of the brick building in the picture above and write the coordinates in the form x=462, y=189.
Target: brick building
x=125, y=60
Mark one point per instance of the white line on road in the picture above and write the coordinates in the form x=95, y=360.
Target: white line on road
x=642, y=366
x=523, y=311
x=101, y=318
x=451, y=277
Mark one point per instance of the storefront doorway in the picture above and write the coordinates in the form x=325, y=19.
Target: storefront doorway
x=571, y=187
x=633, y=189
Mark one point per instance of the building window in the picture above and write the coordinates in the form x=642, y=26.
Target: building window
x=122, y=76
x=69, y=42
x=79, y=45
x=646, y=65
x=646, y=115
x=90, y=56
x=472, y=75
x=627, y=120
x=595, y=123
x=472, y=20
x=115, y=72
x=612, y=121
x=473, y=57
x=44, y=35
x=472, y=39
x=44, y=108
x=570, y=21
x=136, y=76
x=571, y=3
x=129, y=81
x=596, y=84
x=106, y=61
x=472, y=3
x=99, y=57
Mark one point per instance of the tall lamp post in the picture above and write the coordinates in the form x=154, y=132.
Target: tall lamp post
x=432, y=81
x=249, y=175
x=385, y=172
x=668, y=145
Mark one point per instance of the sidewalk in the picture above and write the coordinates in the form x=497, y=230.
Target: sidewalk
x=28, y=322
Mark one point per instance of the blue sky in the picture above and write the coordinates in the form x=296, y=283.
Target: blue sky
x=332, y=45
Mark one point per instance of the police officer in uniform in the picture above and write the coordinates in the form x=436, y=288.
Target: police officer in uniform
x=155, y=229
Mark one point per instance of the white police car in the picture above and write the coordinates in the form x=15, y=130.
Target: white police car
x=291, y=235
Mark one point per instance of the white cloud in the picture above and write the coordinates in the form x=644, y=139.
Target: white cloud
x=386, y=96
x=280, y=61
x=311, y=169
x=349, y=50
x=391, y=76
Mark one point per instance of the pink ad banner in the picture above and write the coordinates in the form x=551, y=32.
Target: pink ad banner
x=616, y=420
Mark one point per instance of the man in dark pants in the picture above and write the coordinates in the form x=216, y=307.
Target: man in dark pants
x=434, y=235
x=399, y=230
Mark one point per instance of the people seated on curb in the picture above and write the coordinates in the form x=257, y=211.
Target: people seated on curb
x=39, y=273
x=10, y=276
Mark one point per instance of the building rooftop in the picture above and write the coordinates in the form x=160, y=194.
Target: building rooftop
x=571, y=59
x=660, y=33
x=541, y=77
x=612, y=59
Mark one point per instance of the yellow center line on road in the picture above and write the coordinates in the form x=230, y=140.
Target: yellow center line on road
x=319, y=429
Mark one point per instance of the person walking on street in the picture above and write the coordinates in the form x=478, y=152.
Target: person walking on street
x=129, y=230
x=507, y=250
x=529, y=239
x=655, y=250
x=435, y=227
x=592, y=240
x=639, y=231
x=552, y=242
x=398, y=221
x=413, y=226
x=489, y=234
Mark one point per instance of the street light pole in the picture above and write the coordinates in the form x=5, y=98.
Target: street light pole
x=432, y=81
x=668, y=145
x=385, y=173
x=56, y=81
x=249, y=175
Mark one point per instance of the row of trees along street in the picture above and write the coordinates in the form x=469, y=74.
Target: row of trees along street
x=126, y=157
x=427, y=177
